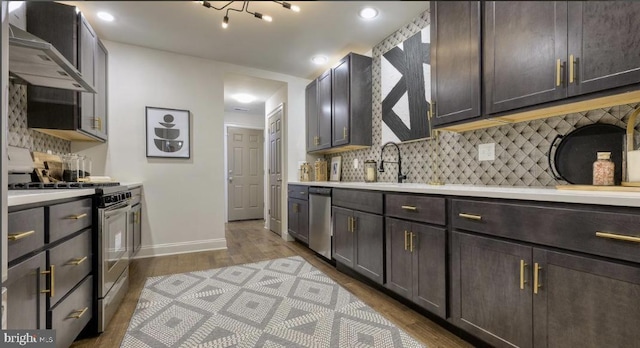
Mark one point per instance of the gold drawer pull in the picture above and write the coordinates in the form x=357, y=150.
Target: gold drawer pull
x=303, y=193
x=536, y=277
x=409, y=207
x=523, y=265
x=52, y=277
x=77, y=217
x=16, y=236
x=79, y=313
x=406, y=234
x=411, y=241
x=618, y=237
x=77, y=262
x=470, y=216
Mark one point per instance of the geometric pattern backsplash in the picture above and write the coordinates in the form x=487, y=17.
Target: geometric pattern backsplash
x=19, y=135
x=521, y=148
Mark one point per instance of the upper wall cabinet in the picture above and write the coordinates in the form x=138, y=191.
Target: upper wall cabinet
x=537, y=52
x=67, y=114
x=455, y=61
x=318, y=103
x=525, y=51
x=338, y=107
x=604, y=45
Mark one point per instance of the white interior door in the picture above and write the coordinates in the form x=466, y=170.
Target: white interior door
x=275, y=171
x=245, y=174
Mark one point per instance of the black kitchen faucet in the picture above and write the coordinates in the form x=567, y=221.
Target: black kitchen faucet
x=381, y=168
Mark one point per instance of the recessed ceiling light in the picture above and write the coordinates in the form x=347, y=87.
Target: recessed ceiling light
x=14, y=5
x=319, y=60
x=105, y=16
x=244, y=98
x=368, y=13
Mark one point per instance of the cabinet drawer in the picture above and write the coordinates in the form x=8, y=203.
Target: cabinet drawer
x=136, y=195
x=71, y=315
x=417, y=208
x=369, y=201
x=72, y=260
x=299, y=192
x=557, y=226
x=67, y=218
x=26, y=232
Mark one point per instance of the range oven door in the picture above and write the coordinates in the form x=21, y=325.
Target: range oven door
x=114, y=251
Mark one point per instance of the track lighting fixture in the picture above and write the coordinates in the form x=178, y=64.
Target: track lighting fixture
x=245, y=8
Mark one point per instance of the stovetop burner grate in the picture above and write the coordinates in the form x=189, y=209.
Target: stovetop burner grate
x=60, y=185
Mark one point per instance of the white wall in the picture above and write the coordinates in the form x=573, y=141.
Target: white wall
x=243, y=119
x=183, y=199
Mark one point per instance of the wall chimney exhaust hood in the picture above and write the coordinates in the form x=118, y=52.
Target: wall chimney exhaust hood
x=35, y=61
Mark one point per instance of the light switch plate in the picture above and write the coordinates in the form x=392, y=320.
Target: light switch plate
x=355, y=163
x=487, y=152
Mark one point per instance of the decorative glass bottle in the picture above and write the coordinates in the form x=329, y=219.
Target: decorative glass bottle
x=603, y=170
x=370, y=171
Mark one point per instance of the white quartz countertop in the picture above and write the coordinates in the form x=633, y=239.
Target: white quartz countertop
x=626, y=199
x=19, y=197
x=131, y=184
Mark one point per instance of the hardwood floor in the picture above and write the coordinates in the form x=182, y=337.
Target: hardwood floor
x=250, y=242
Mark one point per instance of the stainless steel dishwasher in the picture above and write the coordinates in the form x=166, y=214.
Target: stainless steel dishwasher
x=320, y=230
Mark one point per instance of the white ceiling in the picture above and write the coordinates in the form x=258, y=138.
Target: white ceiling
x=286, y=45
x=260, y=88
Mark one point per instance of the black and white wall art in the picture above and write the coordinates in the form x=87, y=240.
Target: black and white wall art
x=406, y=89
x=168, y=133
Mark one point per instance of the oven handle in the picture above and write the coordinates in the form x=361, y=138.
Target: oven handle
x=118, y=211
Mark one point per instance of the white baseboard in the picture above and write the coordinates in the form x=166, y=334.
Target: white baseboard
x=181, y=248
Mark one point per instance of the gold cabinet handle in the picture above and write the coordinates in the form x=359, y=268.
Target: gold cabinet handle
x=558, y=76
x=470, y=216
x=349, y=223
x=344, y=133
x=16, y=236
x=77, y=262
x=409, y=207
x=303, y=193
x=571, y=62
x=78, y=314
x=98, y=121
x=536, y=277
x=430, y=115
x=52, y=281
x=618, y=237
x=523, y=265
x=411, y=241
x=354, y=226
x=406, y=234
x=77, y=217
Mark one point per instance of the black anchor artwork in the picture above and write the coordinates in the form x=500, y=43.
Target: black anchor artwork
x=167, y=135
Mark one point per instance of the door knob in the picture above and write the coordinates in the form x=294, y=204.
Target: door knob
x=230, y=179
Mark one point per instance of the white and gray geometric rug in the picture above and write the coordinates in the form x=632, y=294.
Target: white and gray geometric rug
x=277, y=303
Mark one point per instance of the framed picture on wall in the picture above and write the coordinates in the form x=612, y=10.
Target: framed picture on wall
x=336, y=168
x=168, y=133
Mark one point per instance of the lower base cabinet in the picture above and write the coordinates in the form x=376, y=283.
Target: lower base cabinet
x=513, y=295
x=26, y=301
x=72, y=314
x=358, y=242
x=416, y=264
x=298, y=222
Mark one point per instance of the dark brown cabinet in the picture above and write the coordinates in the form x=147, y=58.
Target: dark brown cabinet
x=49, y=285
x=318, y=114
x=455, y=61
x=358, y=242
x=68, y=114
x=299, y=219
x=511, y=294
x=352, y=102
x=339, y=107
x=415, y=264
x=541, y=51
x=604, y=46
x=525, y=53
x=26, y=302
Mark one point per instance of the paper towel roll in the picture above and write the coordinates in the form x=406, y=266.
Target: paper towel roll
x=633, y=166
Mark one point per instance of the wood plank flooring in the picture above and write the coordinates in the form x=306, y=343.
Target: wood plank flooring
x=249, y=242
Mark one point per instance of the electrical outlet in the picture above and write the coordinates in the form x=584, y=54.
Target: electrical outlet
x=487, y=152
x=355, y=163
